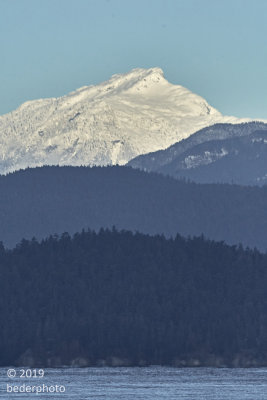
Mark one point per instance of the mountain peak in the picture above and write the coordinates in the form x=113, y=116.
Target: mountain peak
x=141, y=73
x=110, y=123
x=137, y=79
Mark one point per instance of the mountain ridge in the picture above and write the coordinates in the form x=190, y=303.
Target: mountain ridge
x=221, y=148
x=106, y=124
x=52, y=200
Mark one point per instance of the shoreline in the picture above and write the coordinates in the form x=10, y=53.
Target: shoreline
x=211, y=361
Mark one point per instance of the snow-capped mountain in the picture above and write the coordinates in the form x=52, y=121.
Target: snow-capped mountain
x=110, y=123
x=222, y=153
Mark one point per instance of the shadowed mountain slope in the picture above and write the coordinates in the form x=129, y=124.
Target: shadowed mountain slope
x=222, y=153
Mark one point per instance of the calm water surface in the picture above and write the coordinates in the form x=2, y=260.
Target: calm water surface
x=157, y=383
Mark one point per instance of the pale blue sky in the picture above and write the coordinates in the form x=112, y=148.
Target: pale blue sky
x=216, y=48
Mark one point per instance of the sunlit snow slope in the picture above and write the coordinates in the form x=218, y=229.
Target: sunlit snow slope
x=110, y=123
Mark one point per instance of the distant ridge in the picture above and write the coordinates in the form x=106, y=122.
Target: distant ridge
x=110, y=123
x=222, y=153
x=52, y=200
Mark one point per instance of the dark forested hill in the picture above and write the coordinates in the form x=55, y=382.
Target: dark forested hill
x=130, y=299
x=42, y=201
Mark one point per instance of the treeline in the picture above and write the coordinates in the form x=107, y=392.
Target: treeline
x=42, y=201
x=98, y=297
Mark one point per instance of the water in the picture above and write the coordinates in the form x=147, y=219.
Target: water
x=157, y=383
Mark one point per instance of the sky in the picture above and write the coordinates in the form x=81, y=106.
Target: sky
x=215, y=48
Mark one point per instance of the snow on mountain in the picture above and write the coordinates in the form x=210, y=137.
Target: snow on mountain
x=110, y=123
x=221, y=153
